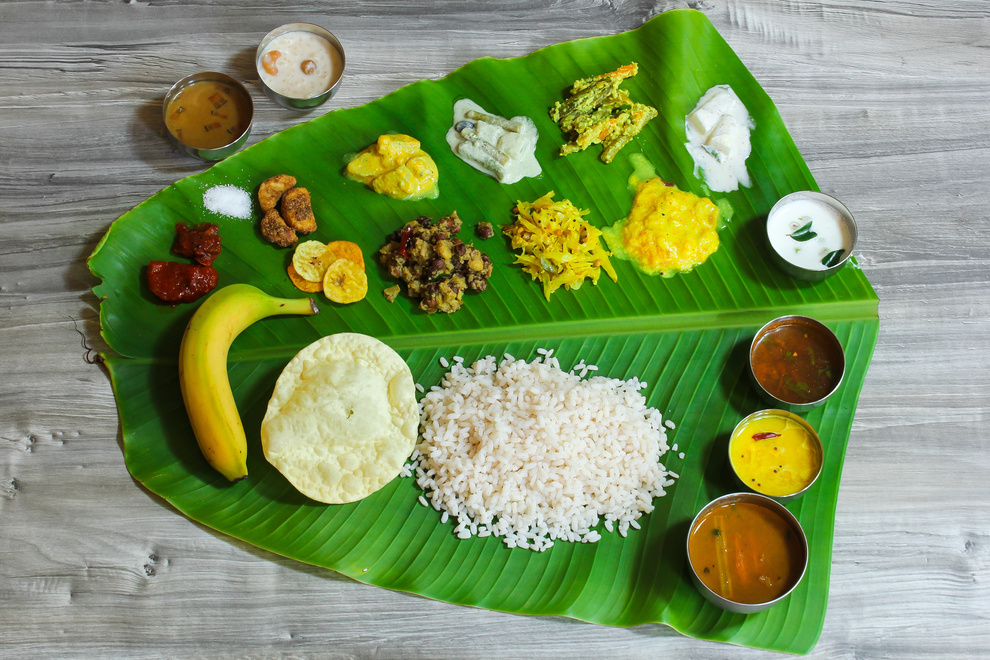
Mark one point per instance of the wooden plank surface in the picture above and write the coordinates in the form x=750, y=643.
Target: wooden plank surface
x=888, y=101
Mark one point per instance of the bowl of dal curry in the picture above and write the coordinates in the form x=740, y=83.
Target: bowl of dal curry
x=746, y=552
x=776, y=453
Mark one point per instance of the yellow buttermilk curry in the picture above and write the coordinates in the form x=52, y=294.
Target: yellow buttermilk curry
x=775, y=455
x=746, y=553
x=668, y=230
x=396, y=166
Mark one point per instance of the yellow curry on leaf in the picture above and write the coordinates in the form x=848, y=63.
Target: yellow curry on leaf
x=668, y=230
x=396, y=166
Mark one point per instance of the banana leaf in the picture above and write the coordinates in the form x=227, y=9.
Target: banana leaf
x=687, y=336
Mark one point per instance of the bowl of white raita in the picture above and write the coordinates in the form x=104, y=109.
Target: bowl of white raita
x=810, y=235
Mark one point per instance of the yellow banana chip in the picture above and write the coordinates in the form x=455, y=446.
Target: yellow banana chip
x=311, y=260
x=345, y=282
x=303, y=284
x=346, y=250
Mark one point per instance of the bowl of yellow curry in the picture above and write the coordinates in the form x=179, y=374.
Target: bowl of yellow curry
x=746, y=552
x=776, y=453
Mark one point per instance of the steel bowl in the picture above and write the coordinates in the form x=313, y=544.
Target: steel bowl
x=794, y=270
x=291, y=102
x=815, y=439
x=218, y=153
x=815, y=326
x=772, y=505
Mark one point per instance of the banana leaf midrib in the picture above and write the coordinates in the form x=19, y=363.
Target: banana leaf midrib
x=832, y=311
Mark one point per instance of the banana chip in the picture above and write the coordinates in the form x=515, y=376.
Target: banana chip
x=345, y=282
x=311, y=260
x=346, y=250
x=303, y=284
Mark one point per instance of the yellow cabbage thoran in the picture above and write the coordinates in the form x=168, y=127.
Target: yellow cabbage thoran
x=559, y=248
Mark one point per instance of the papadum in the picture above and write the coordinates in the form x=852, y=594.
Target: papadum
x=343, y=418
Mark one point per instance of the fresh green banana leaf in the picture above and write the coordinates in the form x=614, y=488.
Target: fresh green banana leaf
x=687, y=336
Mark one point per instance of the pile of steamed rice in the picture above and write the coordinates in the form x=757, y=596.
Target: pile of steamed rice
x=530, y=453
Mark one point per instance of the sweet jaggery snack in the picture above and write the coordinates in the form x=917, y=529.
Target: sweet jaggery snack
x=274, y=229
x=271, y=190
x=297, y=210
x=288, y=210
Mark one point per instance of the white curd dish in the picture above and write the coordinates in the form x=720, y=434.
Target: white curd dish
x=810, y=235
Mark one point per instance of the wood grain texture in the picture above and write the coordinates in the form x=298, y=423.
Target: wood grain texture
x=888, y=101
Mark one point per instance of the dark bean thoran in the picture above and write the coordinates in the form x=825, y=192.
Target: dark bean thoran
x=436, y=266
x=484, y=230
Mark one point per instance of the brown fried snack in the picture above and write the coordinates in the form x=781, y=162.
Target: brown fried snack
x=274, y=229
x=272, y=189
x=297, y=211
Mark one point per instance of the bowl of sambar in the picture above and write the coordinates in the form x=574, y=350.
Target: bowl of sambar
x=746, y=552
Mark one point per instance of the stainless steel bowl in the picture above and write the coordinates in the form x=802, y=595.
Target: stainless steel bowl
x=816, y=326
x=816, y=441
x=794, y=270
x=218, y=153
x=289, y=101
x=761, y=500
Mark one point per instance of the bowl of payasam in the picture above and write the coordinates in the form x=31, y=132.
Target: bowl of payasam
x=796, y=363
x=300, y=65
x=208, y=115
x=776, y=453
x=746, y=552
x=810, y=235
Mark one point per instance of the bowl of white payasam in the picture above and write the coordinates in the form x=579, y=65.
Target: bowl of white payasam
x=300, y=65
x=810, y=235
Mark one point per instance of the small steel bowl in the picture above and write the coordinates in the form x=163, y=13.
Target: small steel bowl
x=815, y=440
x=826, y=335
x=775, y=507
x=800, y=272
x=218, y=153
x=289, y=101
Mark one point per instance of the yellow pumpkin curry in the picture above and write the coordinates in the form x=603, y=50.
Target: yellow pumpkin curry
x=668, y=230
x=396, y=166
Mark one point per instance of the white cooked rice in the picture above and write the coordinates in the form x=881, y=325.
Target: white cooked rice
x=532, y=454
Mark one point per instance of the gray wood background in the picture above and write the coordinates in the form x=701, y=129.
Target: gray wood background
x=888, y=101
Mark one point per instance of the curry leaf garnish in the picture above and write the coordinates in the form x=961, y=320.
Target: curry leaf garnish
x=804, y=233
x=832, y=258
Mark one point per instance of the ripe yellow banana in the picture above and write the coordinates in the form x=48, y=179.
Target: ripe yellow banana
x=203, y=369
